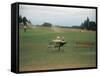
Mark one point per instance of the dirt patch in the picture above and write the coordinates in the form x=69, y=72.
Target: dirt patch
x=84, y=44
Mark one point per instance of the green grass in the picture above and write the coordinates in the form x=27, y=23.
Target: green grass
x=35, y=54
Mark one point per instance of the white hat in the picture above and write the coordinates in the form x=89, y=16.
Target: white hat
x=58, y=37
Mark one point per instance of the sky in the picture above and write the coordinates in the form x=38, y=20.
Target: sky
x=63, y=16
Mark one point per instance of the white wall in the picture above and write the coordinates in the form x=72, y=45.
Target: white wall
x=5, y=42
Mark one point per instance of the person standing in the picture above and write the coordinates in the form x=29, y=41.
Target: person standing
x=25, y=23
x=25, y=28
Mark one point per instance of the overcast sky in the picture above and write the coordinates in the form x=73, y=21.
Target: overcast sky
x=64, y=16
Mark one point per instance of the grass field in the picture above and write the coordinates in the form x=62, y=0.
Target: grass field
x=34, y=53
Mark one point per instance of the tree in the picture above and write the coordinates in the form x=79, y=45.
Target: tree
x=20, y=19
x=92, y=26
x=29, y=22
x=25, y=20
x=47, y=24
x=85, y=24
x=89, y=25
x=82, y=25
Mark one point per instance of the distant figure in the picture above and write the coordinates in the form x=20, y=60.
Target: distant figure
x=25, y=28
x=62, y=39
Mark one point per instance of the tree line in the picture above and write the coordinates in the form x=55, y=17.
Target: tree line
x=88, y=25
